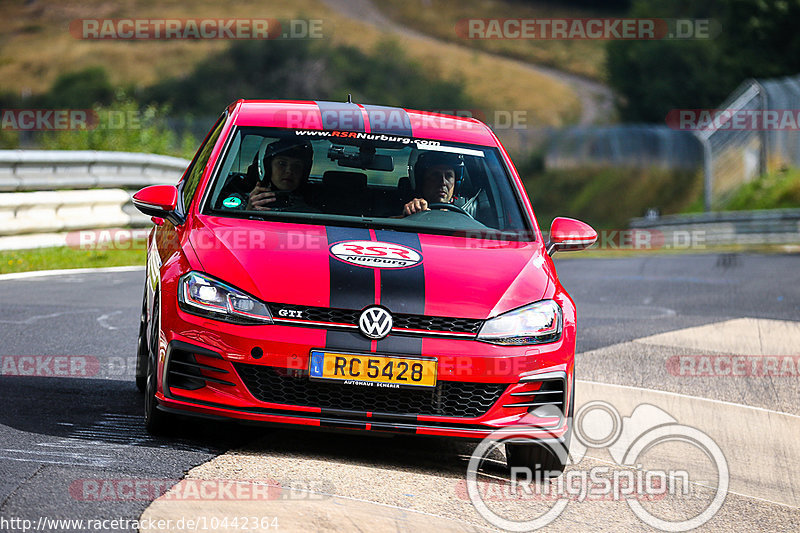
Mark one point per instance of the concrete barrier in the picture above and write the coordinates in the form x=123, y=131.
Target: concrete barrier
x=47, y=211
x=47, y=170
x=46, y=193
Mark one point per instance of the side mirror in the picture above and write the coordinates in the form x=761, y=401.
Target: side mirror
x=159, y=201
x=569, y=234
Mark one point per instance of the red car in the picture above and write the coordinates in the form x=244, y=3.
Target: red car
x=337, y=265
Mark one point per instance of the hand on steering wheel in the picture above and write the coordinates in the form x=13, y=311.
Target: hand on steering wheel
x=448, y=207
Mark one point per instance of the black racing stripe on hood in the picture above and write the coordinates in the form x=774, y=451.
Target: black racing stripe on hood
x=392, y=120
x=402, y=291
x=341, y=116
x=351, y=287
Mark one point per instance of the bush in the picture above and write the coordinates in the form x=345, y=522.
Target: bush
x=750, y=38
x=300, y=69
x=80, y=90
x=124, y=126
x=771, y=191
x=607, y=197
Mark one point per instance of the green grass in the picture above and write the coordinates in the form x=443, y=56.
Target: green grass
x=772, y=191
x=66, y=257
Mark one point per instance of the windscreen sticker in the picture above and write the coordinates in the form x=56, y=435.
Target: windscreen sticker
x=232, y=201
x=366, y=136
x=372, y=254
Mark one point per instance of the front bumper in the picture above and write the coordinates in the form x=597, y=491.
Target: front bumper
x=260, y=374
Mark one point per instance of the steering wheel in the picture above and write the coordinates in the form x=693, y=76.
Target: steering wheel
x=448, y=207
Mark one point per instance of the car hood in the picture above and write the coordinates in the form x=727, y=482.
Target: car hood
x=438, y=275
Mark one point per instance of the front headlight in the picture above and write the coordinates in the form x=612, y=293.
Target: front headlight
x=205, y=296
x=536, y=323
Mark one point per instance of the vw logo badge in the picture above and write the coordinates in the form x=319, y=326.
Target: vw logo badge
x=375, y=322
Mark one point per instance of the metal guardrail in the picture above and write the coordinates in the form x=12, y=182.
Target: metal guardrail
x=769, y=226
x=44, y=192
x=47, y=170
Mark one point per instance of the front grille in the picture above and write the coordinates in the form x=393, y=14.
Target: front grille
x=348, y=317
x=293, y=387
x=437, y=323
x=328, y=314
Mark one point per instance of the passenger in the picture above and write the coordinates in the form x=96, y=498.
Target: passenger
x=287, y=165
x=436, y=175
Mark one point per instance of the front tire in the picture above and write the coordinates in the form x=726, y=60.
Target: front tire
x=548, y=458
x=142, y=351
x=155, y=421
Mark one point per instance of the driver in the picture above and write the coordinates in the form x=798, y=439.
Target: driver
x=436, y=175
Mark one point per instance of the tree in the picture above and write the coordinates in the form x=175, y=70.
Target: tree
x=752, y=38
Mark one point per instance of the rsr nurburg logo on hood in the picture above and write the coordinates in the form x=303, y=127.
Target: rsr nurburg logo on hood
x=374, y=254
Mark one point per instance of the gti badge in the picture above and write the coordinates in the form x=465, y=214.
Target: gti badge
x=375, y=322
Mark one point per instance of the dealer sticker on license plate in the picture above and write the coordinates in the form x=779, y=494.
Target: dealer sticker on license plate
x=372, y=370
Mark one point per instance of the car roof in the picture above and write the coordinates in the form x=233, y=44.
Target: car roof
x=342, y=116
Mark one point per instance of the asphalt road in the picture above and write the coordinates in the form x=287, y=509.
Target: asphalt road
x=63, y=440
x=627, y=298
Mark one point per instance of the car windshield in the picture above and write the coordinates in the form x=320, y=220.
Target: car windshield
x=354, y=178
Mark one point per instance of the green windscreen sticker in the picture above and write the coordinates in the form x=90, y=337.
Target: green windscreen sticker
x=232, y=201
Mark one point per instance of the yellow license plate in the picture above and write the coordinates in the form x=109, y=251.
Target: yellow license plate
x=372, y=370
